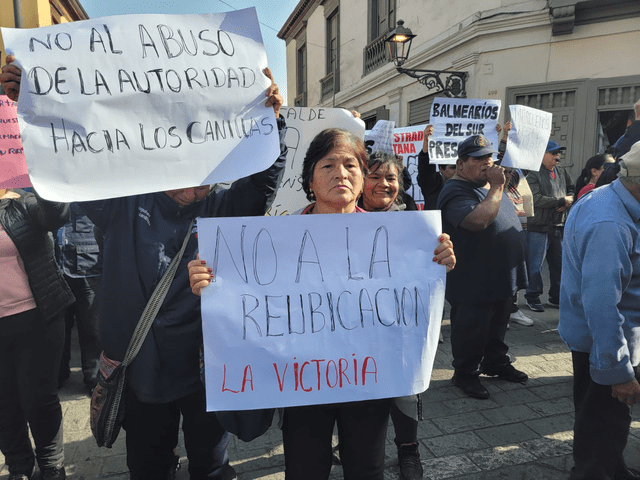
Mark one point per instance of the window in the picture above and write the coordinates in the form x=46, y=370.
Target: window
x=382, y=17
x=332, y=42
x=301, y=81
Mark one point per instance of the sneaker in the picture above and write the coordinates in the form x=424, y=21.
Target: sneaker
x=535, y=305
x=471, y=386
x=53, y=473
x=508, y=373
x=553, y=302
x=521, y=318
x=409, y=461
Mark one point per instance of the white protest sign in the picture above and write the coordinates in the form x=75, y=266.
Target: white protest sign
x=528, y=137
x=303, y=124
x=132, y=104
x=407, y=142
x=316, y=309
x=455, y=119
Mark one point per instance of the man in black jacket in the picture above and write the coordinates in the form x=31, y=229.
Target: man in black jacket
x=552, y=191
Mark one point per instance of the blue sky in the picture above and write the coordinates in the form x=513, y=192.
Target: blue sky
x=271, y=13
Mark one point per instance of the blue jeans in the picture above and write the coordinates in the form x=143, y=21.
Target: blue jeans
x=539, y=246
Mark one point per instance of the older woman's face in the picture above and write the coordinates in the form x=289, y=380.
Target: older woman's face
x=337, y=180
x=381, y=188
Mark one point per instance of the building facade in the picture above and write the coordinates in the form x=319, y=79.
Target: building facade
x=37, y=13
x=576, y=59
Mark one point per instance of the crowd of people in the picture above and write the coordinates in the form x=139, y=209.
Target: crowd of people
x=503, y=223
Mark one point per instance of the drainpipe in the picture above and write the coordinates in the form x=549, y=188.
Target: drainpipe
x=17, y=13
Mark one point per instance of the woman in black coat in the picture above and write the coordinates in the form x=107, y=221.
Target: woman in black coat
x=33, y=299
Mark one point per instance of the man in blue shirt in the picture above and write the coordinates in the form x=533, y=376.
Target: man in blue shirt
x=490, y=269
x=600, y=320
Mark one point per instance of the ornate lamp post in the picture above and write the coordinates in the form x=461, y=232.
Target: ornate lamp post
x=399, y=43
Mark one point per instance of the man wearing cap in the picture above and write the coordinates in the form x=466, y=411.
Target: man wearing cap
x=490, y=248
x=600, y=320
x=552, y=191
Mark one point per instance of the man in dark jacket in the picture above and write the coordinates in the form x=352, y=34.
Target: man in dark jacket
x=80, y=259
x=552, y=191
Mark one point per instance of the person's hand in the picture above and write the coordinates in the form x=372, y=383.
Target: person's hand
x=355, y=113
x=498, y=128
x=506, y=130
x=199, y=275
x=428, y=131
x=496, y=176
x=628, y=393
x=10, y=79
x=274, y=99
x=444, y=253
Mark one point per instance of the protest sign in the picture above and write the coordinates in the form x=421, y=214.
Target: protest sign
x=316, y=309
x=528, y=137
x=13, y=167
x=132, y=104
x=303, y=124
x=455, y=119
x=407, y=142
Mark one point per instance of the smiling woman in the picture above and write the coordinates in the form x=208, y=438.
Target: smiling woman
x=382, y=187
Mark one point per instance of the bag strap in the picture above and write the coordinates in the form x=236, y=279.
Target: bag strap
x=154, y=303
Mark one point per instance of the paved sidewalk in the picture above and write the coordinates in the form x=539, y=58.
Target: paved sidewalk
x=521, y=432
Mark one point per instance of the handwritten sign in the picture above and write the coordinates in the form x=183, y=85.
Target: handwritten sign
x=528, y=137
x=13, y=166
x=303, y=124
x=315, y=309
x=132, y=104
x=455, y=119
x=407, y=142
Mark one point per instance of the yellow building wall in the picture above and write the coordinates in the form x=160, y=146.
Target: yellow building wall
x=39, y=13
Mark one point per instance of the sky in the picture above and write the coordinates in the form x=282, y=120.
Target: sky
x=271, y=13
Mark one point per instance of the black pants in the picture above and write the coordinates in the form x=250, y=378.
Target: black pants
x=152, y=434
x=362, y=429
x=477, y=335
x=84, y=314
x=30, y=352
x=601, y=426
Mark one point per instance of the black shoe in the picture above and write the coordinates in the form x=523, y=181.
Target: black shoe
x=53, y=473
x=409, y=461
x=471, y=386
x=553, y=302
x=535, y=305
x=508, y=373
x=627, y=474
x=21, y=476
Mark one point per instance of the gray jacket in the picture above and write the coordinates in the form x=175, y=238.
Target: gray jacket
x=546, y=198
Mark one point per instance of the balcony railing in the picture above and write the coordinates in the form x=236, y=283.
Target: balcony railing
x=326, y=86
x=375, y=55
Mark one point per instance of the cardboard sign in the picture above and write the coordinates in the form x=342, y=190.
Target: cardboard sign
x=13, y=166
x=528, y=138
x=303, y=124
x=455, y=119
x=316, y=309
x=133, y=104
x=407, y=142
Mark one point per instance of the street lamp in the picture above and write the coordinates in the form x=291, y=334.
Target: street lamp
x=399, y=43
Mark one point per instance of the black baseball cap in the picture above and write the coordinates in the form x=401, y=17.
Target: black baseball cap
x=475, y=146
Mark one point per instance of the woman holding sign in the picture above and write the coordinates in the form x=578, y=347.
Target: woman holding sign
x=333, y=179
